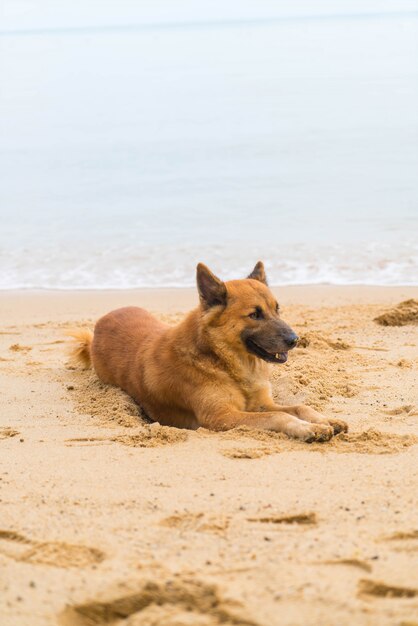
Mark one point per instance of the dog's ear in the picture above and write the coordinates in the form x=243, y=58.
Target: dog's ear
x=259, y=273
x=212, y=290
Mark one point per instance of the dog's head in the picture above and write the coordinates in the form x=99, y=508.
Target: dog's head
x=245, y=314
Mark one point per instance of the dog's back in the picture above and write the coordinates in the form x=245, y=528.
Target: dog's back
x=119, y=338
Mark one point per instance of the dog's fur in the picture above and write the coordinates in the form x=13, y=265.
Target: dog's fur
x=212, y=369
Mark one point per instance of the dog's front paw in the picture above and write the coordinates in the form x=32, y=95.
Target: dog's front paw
x=315, y=432
x=338, y=426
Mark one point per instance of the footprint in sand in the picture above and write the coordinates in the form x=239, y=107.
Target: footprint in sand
x=6, y=432
x=196, y=522
x=382, y=590
x=17, y=347
x=247, y=453
x=173, y=602
x=366, y=567
x=55, y=553
x=304, y=519
x=405, y=410
x=401, y=535
x=403, y=541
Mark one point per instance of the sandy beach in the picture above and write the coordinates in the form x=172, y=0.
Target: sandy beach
x=106, y=519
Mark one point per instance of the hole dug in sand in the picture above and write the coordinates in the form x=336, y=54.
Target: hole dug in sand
x=404, y=313
x=382, y=590
x=55, y=553
x=179, y=602
x=112, y=406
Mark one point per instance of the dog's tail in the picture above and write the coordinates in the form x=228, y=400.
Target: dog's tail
x=81, y=351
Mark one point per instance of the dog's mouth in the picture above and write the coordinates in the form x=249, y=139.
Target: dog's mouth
x=277, y=357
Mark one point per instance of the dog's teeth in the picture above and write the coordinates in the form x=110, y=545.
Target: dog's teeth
x=277, y=355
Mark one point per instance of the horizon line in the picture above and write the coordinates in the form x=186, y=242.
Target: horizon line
x=149, y=26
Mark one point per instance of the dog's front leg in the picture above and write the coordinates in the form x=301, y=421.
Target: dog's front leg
x=308, y=414
x=277, y=420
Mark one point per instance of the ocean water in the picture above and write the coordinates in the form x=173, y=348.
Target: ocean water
x=137, y=139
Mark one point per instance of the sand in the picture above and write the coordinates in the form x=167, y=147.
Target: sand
x=107, y=519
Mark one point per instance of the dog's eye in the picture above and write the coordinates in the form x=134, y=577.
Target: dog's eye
x=277, y=307
x=257, y=314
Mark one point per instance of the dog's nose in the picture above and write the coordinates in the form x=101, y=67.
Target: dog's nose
x=291, y=340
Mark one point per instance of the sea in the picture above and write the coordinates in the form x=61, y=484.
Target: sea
x=139, y=138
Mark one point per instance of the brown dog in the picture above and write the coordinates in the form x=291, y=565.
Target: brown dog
x=212, y=369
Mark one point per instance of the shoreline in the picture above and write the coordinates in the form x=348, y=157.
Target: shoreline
x=19, y=305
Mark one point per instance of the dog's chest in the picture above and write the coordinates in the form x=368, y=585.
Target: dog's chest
x=257, y=395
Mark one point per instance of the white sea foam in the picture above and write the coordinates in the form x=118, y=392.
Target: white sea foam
x=123, y=268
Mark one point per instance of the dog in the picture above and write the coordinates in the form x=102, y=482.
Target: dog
x=212, y=369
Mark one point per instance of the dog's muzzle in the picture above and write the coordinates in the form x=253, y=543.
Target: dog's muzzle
x=289, y=341
x=276, y=357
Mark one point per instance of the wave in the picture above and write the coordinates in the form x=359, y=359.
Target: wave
x=119, y=267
